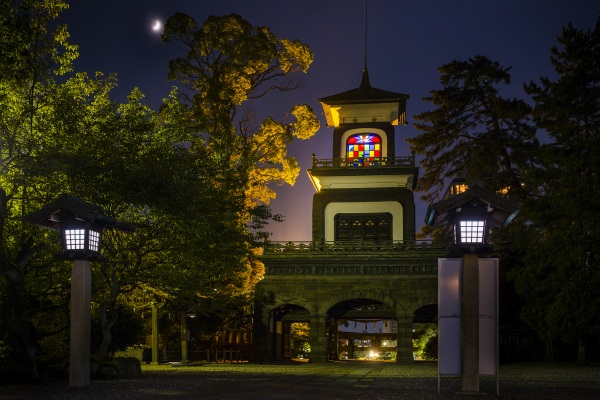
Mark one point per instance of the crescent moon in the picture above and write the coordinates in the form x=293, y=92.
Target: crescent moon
x=156, y=25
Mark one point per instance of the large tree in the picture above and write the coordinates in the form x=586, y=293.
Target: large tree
x=228, y=61
x=473, y=132
x=32, y=60
x=561, y=274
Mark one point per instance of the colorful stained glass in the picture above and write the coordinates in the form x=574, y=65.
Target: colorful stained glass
x=365, y=147
x=364, y=138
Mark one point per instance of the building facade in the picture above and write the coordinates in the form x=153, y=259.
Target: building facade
x=363, y=265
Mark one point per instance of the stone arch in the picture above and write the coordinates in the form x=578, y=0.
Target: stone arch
x=426, y=314
x=281, y=317
x=361, y=325
x=377, y=295
x=424, y=325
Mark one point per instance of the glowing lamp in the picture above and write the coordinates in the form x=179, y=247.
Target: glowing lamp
x=80, y=225
x=472, y=212
x=80, y=238
x=470, y=223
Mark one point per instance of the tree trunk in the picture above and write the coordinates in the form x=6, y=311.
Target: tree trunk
x=106, y=308
x=581, y=352
x=108, y=314
x=21, y=332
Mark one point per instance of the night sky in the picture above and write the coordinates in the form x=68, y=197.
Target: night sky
x=406, y=42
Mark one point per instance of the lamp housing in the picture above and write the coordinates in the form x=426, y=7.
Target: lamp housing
x=471, y=212
x=80, y=239
x=80, y=225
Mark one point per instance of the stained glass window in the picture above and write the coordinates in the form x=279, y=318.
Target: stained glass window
x=363, y=149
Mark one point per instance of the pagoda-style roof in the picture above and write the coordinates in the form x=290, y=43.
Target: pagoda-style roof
x=501, y=210
x=365, y=104
x=50, y=216
x=362, y=96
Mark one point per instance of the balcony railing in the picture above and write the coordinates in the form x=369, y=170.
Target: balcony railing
x=328, y=270
x=405, y=161
x=404, y=246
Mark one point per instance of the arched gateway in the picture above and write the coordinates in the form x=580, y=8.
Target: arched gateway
x=361, y=280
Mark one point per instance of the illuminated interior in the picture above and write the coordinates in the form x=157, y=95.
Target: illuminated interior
x=458, y=188
x=75, y=240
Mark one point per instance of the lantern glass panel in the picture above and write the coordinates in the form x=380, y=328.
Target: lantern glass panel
x=75, y=239
x=94, y=240
x=471, y=231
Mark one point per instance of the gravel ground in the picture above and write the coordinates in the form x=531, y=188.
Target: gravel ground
x=358, y=380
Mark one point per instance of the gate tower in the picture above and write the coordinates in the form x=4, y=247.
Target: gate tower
x=364, y=192
x=363, y=263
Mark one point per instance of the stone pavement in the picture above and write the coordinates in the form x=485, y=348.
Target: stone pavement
x=331, y=381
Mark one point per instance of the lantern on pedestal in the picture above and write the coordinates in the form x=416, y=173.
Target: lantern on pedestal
x=472, y=211
x=80, y=225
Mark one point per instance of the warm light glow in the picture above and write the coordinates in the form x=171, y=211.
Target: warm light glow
x=335, y=115
x=471, y=231
x=157, y=25
x=504, y=190
x=75, y=239
x=459, y=188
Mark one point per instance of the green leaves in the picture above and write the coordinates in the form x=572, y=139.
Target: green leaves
x=564, y=263
x=473, y=132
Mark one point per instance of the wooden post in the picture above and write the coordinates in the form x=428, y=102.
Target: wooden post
x=469, y=366
x=154, y=334
x=81, y=293
x=184, y=348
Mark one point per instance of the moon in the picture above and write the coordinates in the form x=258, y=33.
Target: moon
x=157, y=25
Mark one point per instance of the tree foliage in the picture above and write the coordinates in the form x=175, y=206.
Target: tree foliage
x=473, y=132
x=562, y=268
x=227, y=62
x=31, y=285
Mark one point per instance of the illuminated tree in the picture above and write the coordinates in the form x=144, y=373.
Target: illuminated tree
x=227, y=62
x=31, y=61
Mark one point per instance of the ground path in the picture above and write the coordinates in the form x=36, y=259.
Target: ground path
x=342, y=380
